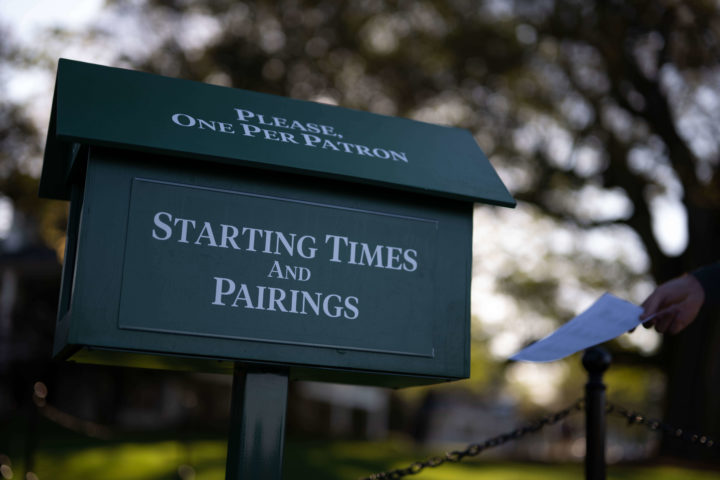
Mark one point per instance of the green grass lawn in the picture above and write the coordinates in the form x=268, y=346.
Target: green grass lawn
x=66, y=456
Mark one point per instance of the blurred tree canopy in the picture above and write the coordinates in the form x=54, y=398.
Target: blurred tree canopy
x=600, y=115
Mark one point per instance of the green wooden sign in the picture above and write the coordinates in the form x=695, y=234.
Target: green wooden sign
x=211, y=226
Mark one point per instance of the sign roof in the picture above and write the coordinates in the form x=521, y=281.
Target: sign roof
x=131, y=110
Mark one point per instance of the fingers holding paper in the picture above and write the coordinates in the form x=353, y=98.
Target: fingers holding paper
x=673, y=305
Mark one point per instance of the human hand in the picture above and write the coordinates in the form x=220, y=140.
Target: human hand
x=673, y=305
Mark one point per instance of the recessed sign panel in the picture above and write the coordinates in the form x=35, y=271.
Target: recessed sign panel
x=236, y=265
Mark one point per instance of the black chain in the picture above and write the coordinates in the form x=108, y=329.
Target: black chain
x=475, y=448
x=635, y=418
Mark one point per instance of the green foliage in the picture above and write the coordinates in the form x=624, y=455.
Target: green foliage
x=635, y=387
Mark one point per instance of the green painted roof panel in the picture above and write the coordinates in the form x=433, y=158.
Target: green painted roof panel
x=131, y=110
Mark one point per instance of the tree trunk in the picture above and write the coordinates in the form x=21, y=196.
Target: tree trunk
x=692, y=358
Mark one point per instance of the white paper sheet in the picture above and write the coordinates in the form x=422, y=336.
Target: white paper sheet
x=607, y=318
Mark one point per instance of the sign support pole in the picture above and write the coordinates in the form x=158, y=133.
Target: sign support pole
x=257, y=423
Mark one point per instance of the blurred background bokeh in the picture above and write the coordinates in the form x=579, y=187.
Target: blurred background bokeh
x=603, y=119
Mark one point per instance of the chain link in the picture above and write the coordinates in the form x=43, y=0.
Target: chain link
x=476, y=448
x=455, y=456
x=633, y=418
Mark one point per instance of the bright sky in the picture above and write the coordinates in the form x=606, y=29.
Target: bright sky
x=26, y=16
x=25, y=19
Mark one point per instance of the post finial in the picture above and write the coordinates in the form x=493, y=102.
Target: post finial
x=596, y=360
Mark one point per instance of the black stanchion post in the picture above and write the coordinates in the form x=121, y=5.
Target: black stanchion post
x=595, y=360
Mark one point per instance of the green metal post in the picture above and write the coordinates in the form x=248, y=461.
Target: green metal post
x=257, y=423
